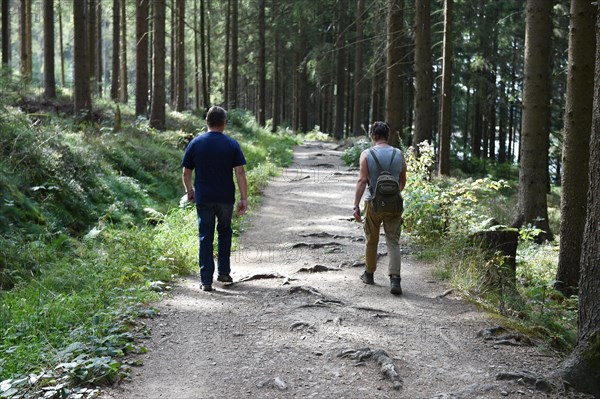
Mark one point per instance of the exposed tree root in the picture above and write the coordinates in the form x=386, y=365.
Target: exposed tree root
x=500, y=336
x=526, y=378
x=317, y=269
x=385, y=362
x=316, y=245
x=261, y=276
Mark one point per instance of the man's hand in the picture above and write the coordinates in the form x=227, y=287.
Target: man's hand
x=356, y=214
x=191, y=196
x=242, y=207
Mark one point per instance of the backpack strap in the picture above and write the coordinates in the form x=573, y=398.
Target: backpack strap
x=381, y=169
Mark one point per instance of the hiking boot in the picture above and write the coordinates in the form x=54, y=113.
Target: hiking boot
x=224, y=278
x=395, y=285
x=367, y=278
x=207, y=287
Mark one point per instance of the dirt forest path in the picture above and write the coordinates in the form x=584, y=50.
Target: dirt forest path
x=282, y=331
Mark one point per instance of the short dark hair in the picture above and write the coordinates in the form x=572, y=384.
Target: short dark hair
x=380, y=130
x=216, y=116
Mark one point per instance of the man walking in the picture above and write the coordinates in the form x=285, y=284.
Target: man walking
x=381, y=157
x=215, y=156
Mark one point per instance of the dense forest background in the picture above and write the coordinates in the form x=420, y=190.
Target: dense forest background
x=501, y=89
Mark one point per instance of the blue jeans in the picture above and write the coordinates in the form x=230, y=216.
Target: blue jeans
x=206, y=231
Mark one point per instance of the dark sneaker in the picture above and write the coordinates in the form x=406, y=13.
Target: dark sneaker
x=395, y=285
x=367, y=278
x=207, y=287
x=224, y=278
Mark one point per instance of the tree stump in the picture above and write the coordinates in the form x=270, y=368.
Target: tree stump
x=500, y=247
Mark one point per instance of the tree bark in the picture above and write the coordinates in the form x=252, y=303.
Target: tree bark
x=276, y=103
x=141, y=59
x=5, y=34
x=262, y=85
x=394, y=79
x=532, y=206
x=91, y=44
x=83, y=98
x=423, y=73
x=446, y=100
x=180, y=56
x=157, y=113
x=116, y=51
x=582, y=368
x=234, y=55
x=205, y=92
x=357, y=113
x=61, y=44
x=576, y=141
x=226, y=77
x=98, y=48
x=49, y=78
x=197, y=87
x=123, y=81
x=25, y=38
x=340, y=73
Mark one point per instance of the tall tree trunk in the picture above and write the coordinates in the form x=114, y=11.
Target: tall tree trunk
x=5, y=33
x=205, y=95
x=446, y=100
x=28, y=28
x=123, y=81
x=116, y=51
x=234, y=55
x=83, y=98
x=262, y=84
x=157, y=112
x=173, y=50
x=197, y=57
x=357, y=113
x=582, y=368
x=502, y=124
x=49, y=78
x=98, y=48
x=61, y=45
x=423, y=73
x=340, y=73
x=576, y=141
x=91, y=44
x=533, y=207
x=208, y=47
x=141, y=58
x=394, y=79
x=180, y=53
x=276, y=104
x=226, y=77
x=25, y=38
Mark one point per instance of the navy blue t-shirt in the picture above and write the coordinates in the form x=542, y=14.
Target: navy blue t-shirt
x=213, y=155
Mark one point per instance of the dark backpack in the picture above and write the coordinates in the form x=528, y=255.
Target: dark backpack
x=386, y=196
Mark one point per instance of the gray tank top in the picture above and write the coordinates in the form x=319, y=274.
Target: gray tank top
x=384, y=156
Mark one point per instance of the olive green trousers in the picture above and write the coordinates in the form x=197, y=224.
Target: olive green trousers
x=392, y=226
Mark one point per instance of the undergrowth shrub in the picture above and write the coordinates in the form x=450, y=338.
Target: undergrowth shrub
x=436, y=207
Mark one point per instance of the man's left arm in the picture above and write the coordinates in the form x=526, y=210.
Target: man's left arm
x=187, y=183
x=403, y=176
x=240, y=175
